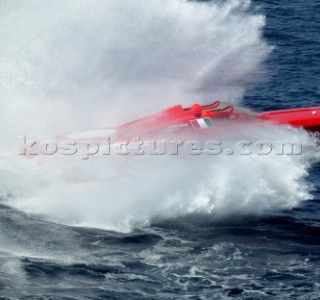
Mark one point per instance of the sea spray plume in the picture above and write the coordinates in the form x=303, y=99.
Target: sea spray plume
x=79, y=65
x=67, y=66
x=123, y=193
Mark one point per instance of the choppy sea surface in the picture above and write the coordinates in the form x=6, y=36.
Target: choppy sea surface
x=185, y=232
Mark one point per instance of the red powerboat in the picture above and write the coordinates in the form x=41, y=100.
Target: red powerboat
x=201, y=122
x=199, y=119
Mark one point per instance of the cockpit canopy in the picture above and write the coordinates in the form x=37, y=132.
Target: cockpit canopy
x=220, y=109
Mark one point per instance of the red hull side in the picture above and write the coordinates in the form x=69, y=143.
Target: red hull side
x=303, y=117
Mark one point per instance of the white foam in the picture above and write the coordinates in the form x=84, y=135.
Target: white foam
x=91, y=64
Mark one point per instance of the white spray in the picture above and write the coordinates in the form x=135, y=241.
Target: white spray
x=68, y=66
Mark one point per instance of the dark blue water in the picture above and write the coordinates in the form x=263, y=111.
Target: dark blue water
x=192, y=257
x=293, y=28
